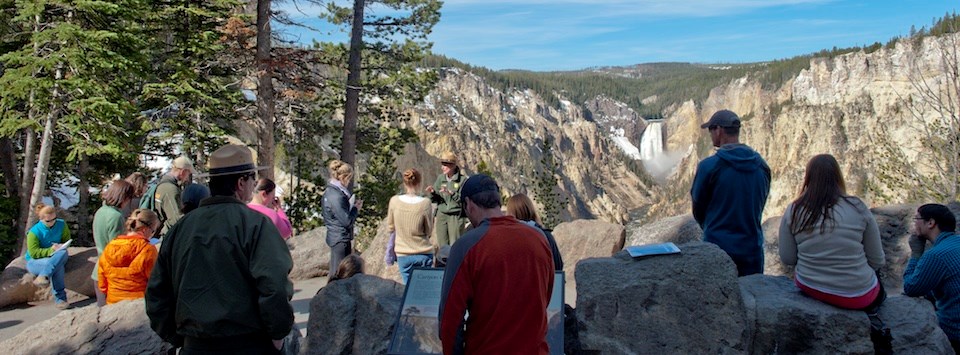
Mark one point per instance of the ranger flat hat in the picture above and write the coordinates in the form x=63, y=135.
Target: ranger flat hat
x=231, y=159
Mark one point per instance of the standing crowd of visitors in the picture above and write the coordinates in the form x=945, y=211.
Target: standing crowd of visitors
x=212, y=264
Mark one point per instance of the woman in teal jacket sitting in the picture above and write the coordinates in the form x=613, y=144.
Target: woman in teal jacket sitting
x=43, y=257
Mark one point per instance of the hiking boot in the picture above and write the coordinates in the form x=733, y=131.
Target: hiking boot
x=61, y=305
x=41, y=281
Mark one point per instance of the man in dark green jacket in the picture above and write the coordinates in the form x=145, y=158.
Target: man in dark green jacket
x=220, y=283
x=445, y=192
x=167, y=196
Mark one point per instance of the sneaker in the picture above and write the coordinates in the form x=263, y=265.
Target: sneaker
x=41, y=281
x=63, y=305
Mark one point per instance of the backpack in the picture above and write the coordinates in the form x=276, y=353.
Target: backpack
x=149, y=201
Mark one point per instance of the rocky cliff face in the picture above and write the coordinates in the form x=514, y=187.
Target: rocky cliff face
x=839, y=106
x=850, y=106
x=506, y=130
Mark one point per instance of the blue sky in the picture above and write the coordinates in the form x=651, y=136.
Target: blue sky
x=546, y=35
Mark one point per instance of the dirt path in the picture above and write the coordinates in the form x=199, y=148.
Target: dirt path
x=16, y=319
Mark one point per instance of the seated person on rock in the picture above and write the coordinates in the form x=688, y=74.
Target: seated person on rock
x=833, y=240
x=935, y=271
x=126, y=262
x=44, y=256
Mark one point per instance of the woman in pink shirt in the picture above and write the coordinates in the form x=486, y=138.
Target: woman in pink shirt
x=265, y=201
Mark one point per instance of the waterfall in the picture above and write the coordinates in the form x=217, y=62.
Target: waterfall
x=651, y=142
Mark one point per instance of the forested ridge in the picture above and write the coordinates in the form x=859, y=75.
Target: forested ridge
x=670, y=83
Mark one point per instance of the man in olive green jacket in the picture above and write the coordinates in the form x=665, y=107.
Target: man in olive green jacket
x=445, y=192
x=167, y=197
x=220, y=282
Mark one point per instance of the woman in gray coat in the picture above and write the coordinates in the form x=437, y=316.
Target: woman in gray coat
x=340, y=209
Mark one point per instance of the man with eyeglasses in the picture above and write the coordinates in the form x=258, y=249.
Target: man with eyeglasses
x=220, y=282
x=729, y=192
x=935, y=271
x=167, y=197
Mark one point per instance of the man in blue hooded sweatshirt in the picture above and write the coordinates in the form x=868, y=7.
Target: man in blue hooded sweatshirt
x=729, y=193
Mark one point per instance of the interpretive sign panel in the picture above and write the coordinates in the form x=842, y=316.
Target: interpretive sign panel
x=417, y=330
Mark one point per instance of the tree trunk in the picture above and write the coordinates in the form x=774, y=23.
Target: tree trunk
x=26, y=183
x=348, y=152
x=8, y=167
x=265, y=96
x=83, y=210
x=46, y=147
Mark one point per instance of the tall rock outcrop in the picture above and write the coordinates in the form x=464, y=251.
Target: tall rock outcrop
x=839, y=106
x=507, y=130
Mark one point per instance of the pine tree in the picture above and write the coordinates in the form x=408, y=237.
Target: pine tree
x=71, y=80
x=545, y=187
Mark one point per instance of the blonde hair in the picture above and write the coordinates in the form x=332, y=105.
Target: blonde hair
x=340, y=170
x=43, y=209
x=411, y=177
x=521, y=207
x=141, y=218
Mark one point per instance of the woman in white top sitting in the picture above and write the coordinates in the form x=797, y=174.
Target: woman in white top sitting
x=833, y=240
x=410, y=217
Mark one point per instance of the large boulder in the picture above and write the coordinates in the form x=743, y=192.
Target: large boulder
x=121, y=328
x=373, y=256
x=896, y=224
x=16, y=284
x=353, y=316
x=311, y=255
x=771, y=249
x=782, y=320
x=686, y=303
x=677, y=229
x=586, y=238
x=913, y=325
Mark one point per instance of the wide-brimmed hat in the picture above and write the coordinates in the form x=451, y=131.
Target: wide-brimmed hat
x=231, y=159
x=448, y=158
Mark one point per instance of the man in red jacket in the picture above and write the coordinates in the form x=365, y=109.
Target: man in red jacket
x=501, y=273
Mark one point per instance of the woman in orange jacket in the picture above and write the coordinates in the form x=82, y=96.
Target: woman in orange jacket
x=127, y=261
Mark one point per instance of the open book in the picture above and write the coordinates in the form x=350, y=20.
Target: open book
x=64, y=245
x=653, y=249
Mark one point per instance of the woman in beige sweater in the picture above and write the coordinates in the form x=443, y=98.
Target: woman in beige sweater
x=410, y=217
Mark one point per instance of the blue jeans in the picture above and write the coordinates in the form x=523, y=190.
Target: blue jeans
x=53, y=268
x=408, y=262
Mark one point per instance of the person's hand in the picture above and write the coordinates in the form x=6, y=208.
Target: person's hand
x=429, y=189
x=917, y=245
x=55, y=246
x=278, y=344
x=443, y=189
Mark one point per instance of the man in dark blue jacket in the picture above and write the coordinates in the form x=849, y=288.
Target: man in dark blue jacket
x=729, y=193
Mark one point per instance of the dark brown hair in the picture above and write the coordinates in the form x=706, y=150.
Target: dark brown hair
x=120, y=191
x=411, y=177
x=521, y=207
x=822, y=187
x=139, y=182
x=350, y=265
x=266, y=185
